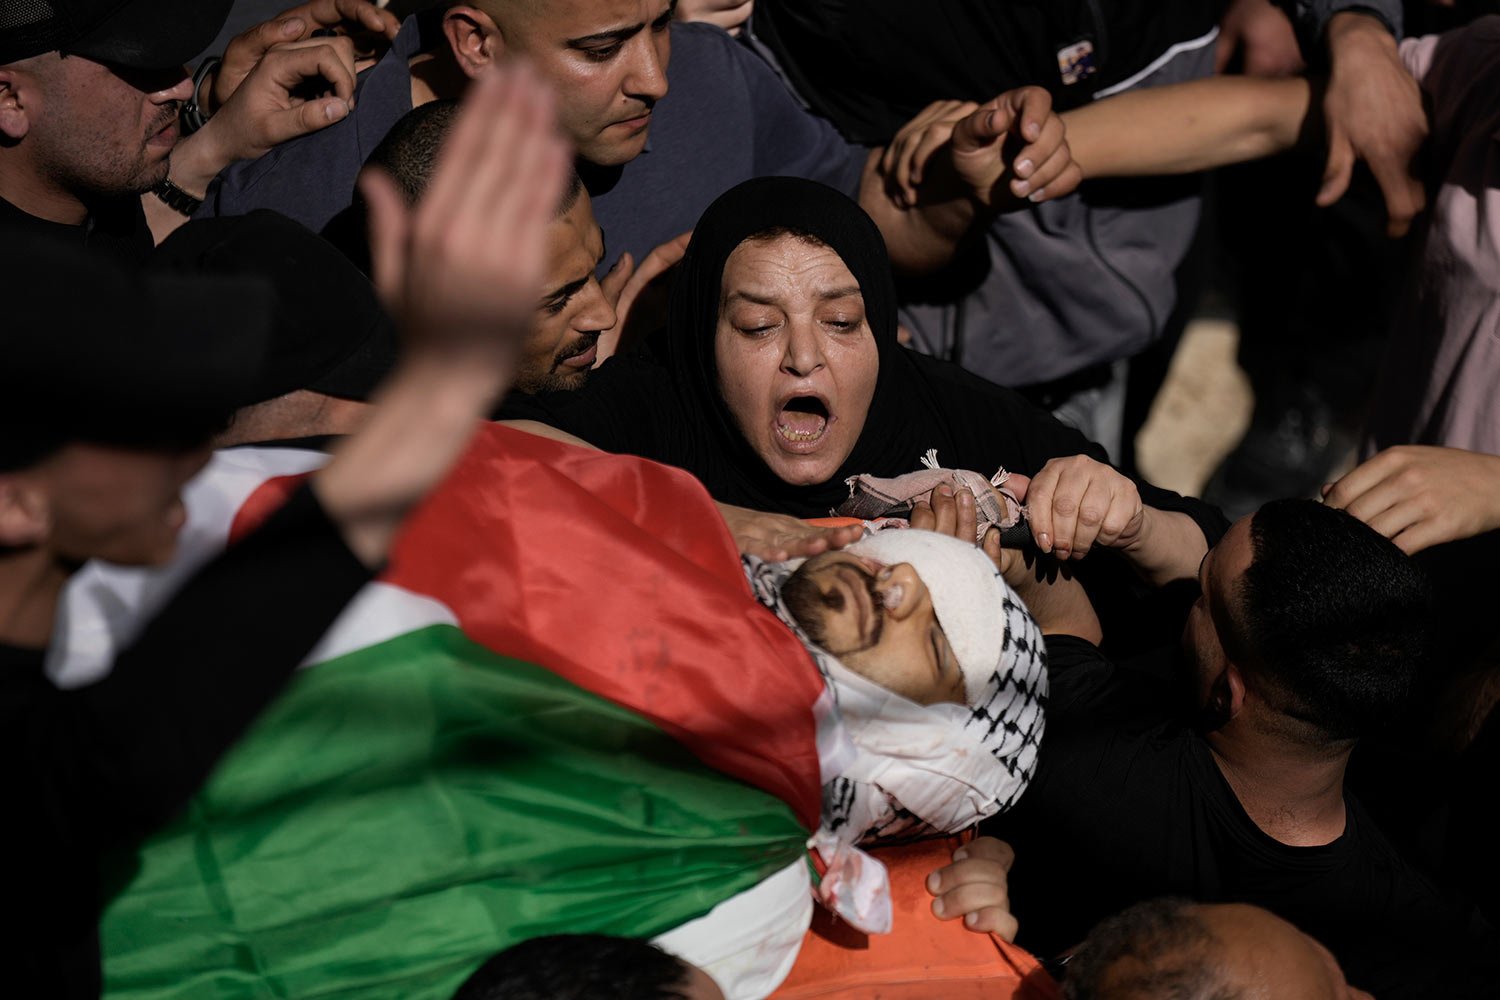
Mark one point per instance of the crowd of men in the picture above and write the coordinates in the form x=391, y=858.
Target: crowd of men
x=315, y=318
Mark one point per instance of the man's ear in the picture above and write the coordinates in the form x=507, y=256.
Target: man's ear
x=475, y=39
x=14, y=121
x=25, y=514
x=1229, y=692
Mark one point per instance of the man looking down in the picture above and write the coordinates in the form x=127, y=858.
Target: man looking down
x=1309, y=632
x=725, y=119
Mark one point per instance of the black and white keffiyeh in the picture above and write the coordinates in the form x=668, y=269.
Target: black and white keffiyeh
x=915, y=770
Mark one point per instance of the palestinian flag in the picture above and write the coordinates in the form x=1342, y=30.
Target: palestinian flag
x=557, y=711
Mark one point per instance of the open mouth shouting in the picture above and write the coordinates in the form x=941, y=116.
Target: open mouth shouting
x=802, y=420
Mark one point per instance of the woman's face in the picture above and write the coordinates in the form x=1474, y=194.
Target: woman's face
x=797, y=361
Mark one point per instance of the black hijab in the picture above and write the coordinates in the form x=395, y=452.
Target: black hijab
x=889, y=440
x=668, y=407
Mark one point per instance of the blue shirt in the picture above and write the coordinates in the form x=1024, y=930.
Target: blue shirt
x=725, y=119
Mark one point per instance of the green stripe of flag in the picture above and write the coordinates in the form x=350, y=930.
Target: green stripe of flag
x=407, y=810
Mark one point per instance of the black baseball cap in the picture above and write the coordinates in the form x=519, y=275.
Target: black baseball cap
x=137, y=34
x=95, y=353
x=329, y=333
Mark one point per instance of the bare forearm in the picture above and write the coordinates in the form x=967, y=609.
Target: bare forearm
x=1169, y=548
x=421, y=422
x=195, y=162
x=921, y=238
x=1188, y=127
x=1060, y=605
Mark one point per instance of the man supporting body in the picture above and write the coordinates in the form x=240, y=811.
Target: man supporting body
x=1309, y=632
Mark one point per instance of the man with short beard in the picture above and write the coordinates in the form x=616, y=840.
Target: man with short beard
x=574, y=311
x=725, y=118
x=90, y=93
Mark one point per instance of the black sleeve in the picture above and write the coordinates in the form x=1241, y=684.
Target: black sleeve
x=1310, y=18
x=143, y=740
x=1078, y=674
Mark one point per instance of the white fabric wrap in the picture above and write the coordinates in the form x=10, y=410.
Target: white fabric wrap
x=966, y=590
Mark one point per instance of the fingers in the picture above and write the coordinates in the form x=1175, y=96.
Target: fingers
x=992, y=548
x=1338, y=170
x=1042, y=162
x=922, y=516
x=1404, y=194
x=330, y=59
x=1033, y=109
x=903, y=161
x=388, y=232
x=662, y=258
x=1039, y=504
x=982, y=127
x=1224, y=49
x=259, y=39
x=989, y=849
x=1362, y=478
x=613, y=284
x=1071, y=501
x=976, y=887
x=328, y=13
x=733, y=18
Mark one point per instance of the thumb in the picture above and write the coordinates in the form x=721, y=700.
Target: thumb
x=981, y=128
x=389, y=222
x=1018, y=485
x=1338, y=171
x=613, y=283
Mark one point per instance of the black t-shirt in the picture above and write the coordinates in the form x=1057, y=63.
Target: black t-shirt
x=87, y=773
x=1128, y=804
x=116, y=227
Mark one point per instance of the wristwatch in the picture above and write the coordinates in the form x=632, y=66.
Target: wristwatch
x=176, y=198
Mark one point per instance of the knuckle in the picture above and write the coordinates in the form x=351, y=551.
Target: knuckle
x=1090, y=517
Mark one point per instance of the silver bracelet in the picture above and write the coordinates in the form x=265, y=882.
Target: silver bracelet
x=193, y=115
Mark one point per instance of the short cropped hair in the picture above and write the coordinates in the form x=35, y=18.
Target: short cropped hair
x=1333, y=619
x=409, y=151
x=578, y=967
x=1157, y=950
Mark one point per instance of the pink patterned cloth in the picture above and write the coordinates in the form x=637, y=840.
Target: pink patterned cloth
x=1439, y=383
x=872, y=497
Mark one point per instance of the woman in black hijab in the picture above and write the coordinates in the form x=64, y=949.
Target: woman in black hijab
x=672, y=408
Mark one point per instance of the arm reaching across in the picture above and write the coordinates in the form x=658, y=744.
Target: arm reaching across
x=1421, y=496
x=1187, y=127
x=1175, y=129
x=1374, y=112
x=995, y=158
